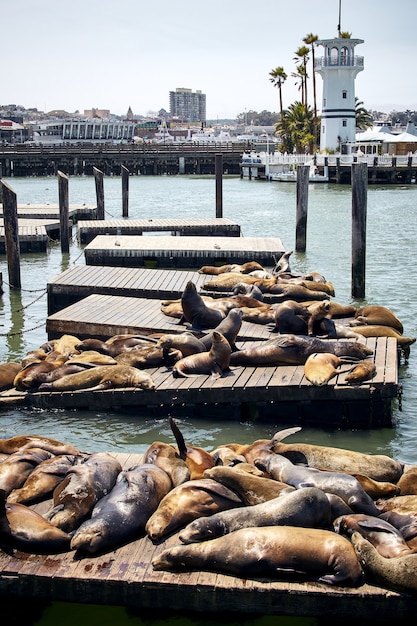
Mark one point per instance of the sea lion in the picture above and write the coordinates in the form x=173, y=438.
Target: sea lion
x=338, y=483
x=28, y=376
x=273, y=552
x=16, y=468
x=26, y=530
x=187, y=343
x=372, y=314
x=291, y=317
x=376, y=488
x=229, y=327
x=364, y=370
x=307, y=507
x=165, y=456
x=66, y=345
x=377, y=466
x=293, y=291
x=83, y=485
x=294, y=349
x=229, y=280
x=399, y=574
x=259, y=315
x=101, y=377
x=214, y=362
x=152, y=355
x=405, y=522
x=251, y=451
x=8, y=372
x=196, y=312
x=320, y=367
x=23, y=442
x=244, y=268
x=121, y=515
x=197, y=459
x=403, y=343
x=43, y=479
x=283, y=264
x=251, y=291
x=384, y=536
x=113, y=346
x=398, y=503
x=407, y=483
x=187, y=502
x=251, y=489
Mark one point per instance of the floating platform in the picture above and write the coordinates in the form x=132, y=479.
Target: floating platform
x=216, y=227
x=51, y=211
x=33, y=237
x=125, y=577
x=184, y=252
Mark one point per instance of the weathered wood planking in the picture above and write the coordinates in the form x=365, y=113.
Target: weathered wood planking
x=125, y=577
x=215, y=227
x=33, y=237
x=168, y=251
x=79, y=281
x=280, y=393
x=51, y=211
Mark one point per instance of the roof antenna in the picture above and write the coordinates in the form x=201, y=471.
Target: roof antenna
x=340, y=17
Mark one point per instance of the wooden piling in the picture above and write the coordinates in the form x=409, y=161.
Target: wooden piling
x=98, y=177
x=219, y=184
x=359, y=210
x=63, y=210
x=125, y=191
x=303, y=172
x=11, y=235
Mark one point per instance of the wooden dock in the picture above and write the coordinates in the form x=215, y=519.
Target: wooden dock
x=33, y=235
x=125, y=577
x=51, y=211
x=215, y=227
x=184, y=252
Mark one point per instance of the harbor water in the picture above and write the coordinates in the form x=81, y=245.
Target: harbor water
x=261, y=209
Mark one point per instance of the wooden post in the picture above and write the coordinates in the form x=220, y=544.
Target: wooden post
x=63, y=210
x=11, y=235
x=303, y=173
x=125, y=191
x=219, y=184
x=359, y=207
x=98, y=177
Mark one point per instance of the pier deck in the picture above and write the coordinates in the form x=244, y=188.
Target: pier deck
x=125, y=577
x=215, y=227
x=51, y=211
x=33, y=235
x=184, y=252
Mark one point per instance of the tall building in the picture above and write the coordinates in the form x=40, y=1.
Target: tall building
x=188, y=105
x=338, y=68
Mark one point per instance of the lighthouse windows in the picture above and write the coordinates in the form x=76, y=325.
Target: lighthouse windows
x=344, y=122
x=344, y=94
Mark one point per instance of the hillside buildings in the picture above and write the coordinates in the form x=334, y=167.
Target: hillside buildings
x=187, y=105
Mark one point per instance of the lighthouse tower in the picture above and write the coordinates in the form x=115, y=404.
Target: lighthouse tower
x=338, y=68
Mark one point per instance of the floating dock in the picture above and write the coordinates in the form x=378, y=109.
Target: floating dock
x=215, y=227
x=125, y=577
x=184, y=252
x=51, y=211
x=33, y=235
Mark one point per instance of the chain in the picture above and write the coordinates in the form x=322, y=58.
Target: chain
x=20, y=289
x=20, y=332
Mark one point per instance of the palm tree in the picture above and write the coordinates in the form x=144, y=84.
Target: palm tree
x=310, y=39
x=278, y=78
x=302, y=53
x=296, y=128
x=300, y=75
x=363, y=117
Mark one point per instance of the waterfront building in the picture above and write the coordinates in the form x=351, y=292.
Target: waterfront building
x=187, y=105
x=94, y=130
x=338, y=68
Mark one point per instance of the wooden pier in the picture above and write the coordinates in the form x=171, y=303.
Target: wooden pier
x=51, y=211
x=184, y=252
x=125, y=577
x=215, y=227
x=33, y=235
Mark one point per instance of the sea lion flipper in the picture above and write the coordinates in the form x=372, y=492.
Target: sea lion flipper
x=283, y=434
x=182, y=448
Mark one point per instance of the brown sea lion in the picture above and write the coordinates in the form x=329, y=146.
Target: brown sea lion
x=152, y=355
x=259, y=315
x=16, y=468
x=165, y=456
x=188, y=502
x=187, y=343
x=196, y=312
x=29, y=376
x=403, y=343
x=283, y=263
x=229, y=280
x=83, y=485
x=364, y=370
x=398, y=503
x=197, y=459
x=102, y=377
x=23, y=442
x=112, y=347
x=308, y=507
x=320, y=367
x=8, y=372
x=251, y=291
x=251, y=451
x=229, y=327
x=407, y=484
x=378, y=315
x=26, y=530
x=399, y=574
x=273, y=552
x=122, y=514
x=66, y=345
x=214, y=362
x=244, y=268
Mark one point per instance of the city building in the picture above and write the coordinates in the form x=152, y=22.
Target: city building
x=187, y=105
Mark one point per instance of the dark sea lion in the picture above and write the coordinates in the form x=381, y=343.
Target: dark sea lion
x=8, y=372
x=214, y=362
x=307, y=507
x=343, y=485
x=16, y=468
x=121, y=515
x=364, y=370
x=83, y=485
x=188, y=502
x=291, y=317
x=384, y=536
x=399, y=574
x=405, y=522
x=378, y=315
x=283, y=263
x=251, y=489
x=101, y=377
x=24, y=529
x=166, y=457
x=273, y=552
x=43, y=479
x=245, y=289
x=321, y=367
x=23, y=442
x=229, y=327
x=195, y=310
x=152, y=355
x=187, y=343
x=377, y=466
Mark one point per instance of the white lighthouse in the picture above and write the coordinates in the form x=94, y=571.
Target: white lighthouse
x=338, y=68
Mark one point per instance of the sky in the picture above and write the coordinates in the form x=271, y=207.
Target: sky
x=130, y=53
